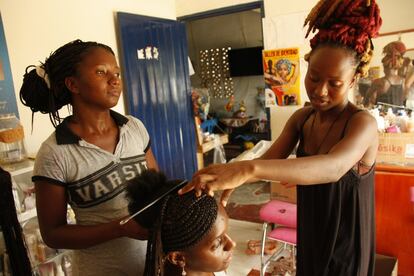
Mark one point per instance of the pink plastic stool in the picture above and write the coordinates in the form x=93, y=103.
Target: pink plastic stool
x=279, y=212
x=283, y=216
x=285, y=234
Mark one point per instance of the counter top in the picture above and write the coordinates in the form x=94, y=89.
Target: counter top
x=403, y=168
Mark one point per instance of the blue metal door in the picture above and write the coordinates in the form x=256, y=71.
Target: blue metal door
x=157, y=88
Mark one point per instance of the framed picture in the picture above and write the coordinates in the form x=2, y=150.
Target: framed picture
x=281, y=72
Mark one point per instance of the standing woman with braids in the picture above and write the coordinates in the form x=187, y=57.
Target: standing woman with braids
x=88, y=159
x=390, y=88
x=188, y=234
x=334, y=168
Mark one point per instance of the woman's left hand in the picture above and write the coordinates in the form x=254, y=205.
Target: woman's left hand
x=133, y=229
x=220, y=177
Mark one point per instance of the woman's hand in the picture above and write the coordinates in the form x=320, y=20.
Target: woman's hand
x=220, y=177
x=133, y=230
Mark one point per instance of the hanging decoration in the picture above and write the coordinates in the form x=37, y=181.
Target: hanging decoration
x=215, y=74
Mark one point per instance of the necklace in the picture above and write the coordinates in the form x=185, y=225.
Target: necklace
x=329, y=129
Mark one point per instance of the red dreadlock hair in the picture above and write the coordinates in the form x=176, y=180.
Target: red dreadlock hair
x=350, y=23
x=393, y=52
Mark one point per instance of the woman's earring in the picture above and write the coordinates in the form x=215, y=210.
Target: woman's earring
x=183, y=273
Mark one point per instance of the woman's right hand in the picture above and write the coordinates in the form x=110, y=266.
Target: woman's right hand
x=220, y=177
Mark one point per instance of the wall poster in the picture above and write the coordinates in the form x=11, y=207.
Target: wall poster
x=7, y=96
x=282, y=76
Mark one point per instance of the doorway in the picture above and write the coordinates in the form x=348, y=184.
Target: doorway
x=154, y=58
x=241, y=113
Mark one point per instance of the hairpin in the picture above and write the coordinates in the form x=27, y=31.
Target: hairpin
x=175, y=188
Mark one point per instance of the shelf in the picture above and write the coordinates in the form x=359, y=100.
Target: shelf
x=25, y=216
x=52, y=258
x=55, y=258
x=207, y=146
x=16, y=169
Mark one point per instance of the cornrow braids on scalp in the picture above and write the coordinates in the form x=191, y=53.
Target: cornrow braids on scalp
x=49, y=98
x=187, y=220
x=176, y=223
x=346, y=23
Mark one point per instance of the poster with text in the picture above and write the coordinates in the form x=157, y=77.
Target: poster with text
x=282, y=76
x=7, y=96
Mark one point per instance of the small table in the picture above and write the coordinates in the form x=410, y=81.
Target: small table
x=203, y=147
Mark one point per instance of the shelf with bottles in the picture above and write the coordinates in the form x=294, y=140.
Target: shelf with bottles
x=18, y=168
x=23, y=190
x=396, y=135
x=45, y=260
x=26, y=215
x=60, y=265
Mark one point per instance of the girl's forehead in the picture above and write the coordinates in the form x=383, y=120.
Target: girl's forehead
x=96, y=51
x=220, y=224
x=217, y=230
x=331, y=52
x=333, y=60
x=98, y=55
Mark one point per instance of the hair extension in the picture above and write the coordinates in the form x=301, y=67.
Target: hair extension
x=142, y=190
x=176, y=223
x=393, y=52
x=61, y=64
x=154, y=263
x=347, y=23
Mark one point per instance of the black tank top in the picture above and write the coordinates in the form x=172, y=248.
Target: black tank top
x=336, y=224
x=394, y=94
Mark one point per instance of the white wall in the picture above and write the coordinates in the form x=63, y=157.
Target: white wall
x=187, y=7
x=33, y=29
x=396, y=15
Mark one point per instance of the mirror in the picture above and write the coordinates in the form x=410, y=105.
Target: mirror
x=391, y=69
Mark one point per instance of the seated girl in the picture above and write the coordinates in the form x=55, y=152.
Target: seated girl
x=188, y=234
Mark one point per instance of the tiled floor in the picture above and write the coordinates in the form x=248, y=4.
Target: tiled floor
x=241, y=232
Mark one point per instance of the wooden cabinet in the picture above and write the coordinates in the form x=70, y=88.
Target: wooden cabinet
x=395, y=215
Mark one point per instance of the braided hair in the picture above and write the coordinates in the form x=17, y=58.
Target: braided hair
x=348, y=24
x=176, y=223
x=47, y=92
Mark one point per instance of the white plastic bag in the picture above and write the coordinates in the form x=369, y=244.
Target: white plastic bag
x=258, y=150
x=219, y=153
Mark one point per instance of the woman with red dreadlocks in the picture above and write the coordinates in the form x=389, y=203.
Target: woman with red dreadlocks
x=334, y=168
x=390, y=88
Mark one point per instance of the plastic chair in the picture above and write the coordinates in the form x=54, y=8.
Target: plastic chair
x=283, y=216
